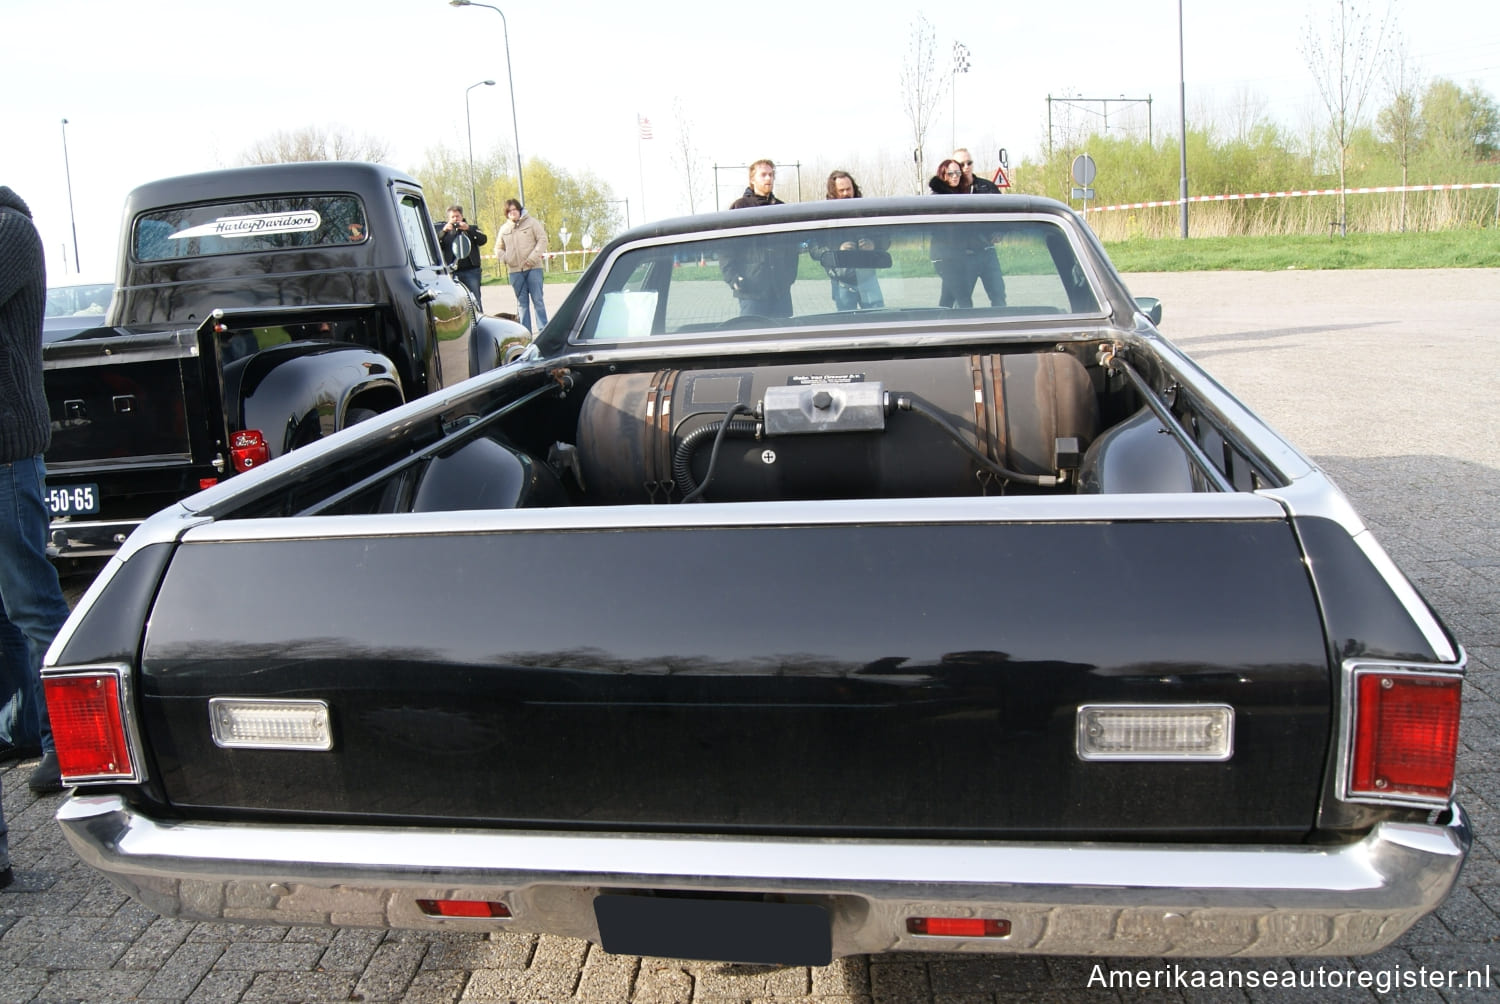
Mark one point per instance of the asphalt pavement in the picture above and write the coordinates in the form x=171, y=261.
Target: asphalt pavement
x=1385, y=379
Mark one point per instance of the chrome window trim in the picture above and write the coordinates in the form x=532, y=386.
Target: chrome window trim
x=1082, y=253
x=1352, y=668
x=761, y=515
x=1083, y=709
x=128, y=720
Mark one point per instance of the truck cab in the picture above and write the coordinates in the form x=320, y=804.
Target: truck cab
x=255, y=310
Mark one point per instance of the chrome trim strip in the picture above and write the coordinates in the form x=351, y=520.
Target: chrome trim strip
x=126, y=697
x=993, y=509
x=1347, y=712
x=1120, y=899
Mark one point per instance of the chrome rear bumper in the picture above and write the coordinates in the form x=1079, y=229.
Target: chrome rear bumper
x=1082, y=899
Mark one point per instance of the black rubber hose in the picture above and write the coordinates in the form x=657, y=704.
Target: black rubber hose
x=907, y=403
x=682, y=459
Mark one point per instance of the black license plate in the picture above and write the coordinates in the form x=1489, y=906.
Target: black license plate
x=73, y=500
x=787, y=934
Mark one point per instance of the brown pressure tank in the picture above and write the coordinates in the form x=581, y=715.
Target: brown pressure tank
x=811, y=431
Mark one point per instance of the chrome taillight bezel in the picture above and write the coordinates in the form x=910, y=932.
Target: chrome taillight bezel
x=129, y=723
x=1353, y=671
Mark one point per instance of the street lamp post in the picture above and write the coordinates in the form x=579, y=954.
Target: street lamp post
x=1182, y=120
x=68, y=173
x=469, y=129
x=510, y=82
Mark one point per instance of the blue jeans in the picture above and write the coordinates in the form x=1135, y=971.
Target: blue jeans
x=471, y=277
x=528, y=286
x=29, y=591
x=864, y=293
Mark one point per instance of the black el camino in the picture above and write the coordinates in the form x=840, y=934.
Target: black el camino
x=730, y=624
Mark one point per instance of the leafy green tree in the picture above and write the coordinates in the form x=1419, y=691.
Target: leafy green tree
x=581, y=202
x=1398, y=122
x=1459, y=127
x=1343, y=59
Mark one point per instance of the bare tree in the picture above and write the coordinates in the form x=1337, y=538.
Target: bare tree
x=1399, y=122
x=314, y=143
x=921, y=89
x=1343, y=60
x=686, y=155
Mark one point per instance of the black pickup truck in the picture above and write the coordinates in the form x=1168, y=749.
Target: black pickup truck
x=705, y=633
x=255, y=311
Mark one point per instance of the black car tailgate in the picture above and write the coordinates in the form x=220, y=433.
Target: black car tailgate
x=851, y=677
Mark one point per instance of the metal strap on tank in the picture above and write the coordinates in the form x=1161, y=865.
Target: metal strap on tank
x=649, y=446
x=981, y=415
x=999, y=444
x=664, y=431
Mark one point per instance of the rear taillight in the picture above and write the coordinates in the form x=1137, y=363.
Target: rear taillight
x=88, y=726
x=247, y=449
x=1405, y=735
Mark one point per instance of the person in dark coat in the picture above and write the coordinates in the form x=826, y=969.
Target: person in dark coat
x=989, y=262
x=955, y=251
x=30, y=597
x=461, y=241
x=760, y=269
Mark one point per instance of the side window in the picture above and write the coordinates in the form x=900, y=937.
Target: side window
x=416, y=228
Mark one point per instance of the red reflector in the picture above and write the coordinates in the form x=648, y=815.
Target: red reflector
x=958, y=927
x=462, y=908
x=88, y=726
x=207, y=483
x=247, y=449
x=1405, y=734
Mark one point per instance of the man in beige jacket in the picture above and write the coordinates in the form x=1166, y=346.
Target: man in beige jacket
x=523, y=249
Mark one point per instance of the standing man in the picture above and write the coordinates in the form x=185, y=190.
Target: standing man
x=989, y=261
x=29, y=593
x=760, y=269
x=461, y=242
x=523, y=249
x=852, y=288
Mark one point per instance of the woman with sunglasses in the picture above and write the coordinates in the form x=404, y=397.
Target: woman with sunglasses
x=955, y=254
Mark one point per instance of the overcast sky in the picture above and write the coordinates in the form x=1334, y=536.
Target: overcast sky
x=155, y=88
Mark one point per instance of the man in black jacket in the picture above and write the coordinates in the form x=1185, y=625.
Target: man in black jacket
x=989, y=262
x=760, y=269
x=461, y=241
x=30, y=597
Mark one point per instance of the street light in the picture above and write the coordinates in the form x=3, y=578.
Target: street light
x=67, y=172
x=1182, y=120
x=510, y=82
x=469, y=128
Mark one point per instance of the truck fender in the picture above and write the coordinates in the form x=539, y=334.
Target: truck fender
x=494, y=342
x=294, y=398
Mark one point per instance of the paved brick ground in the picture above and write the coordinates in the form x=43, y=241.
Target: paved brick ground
x=1386, y=379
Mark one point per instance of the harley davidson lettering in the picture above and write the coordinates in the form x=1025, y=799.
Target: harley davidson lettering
x=241, y=226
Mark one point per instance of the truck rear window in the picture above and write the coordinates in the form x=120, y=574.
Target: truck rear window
x=298, y=221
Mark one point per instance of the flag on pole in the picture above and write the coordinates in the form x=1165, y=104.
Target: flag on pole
x=645, y=126
x=960, y=58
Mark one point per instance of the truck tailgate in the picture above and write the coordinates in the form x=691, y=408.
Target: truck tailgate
x=122, y=400
x=847, y=678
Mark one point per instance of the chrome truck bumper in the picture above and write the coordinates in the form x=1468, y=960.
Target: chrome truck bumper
x=1084, y=899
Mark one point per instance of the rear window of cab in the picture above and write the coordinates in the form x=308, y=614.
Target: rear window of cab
x=275, y=224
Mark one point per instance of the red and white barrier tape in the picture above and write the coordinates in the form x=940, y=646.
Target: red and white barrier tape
x=1291, y=195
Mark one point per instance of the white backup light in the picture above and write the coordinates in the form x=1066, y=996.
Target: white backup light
x=1155, y=732
x=250, y=723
